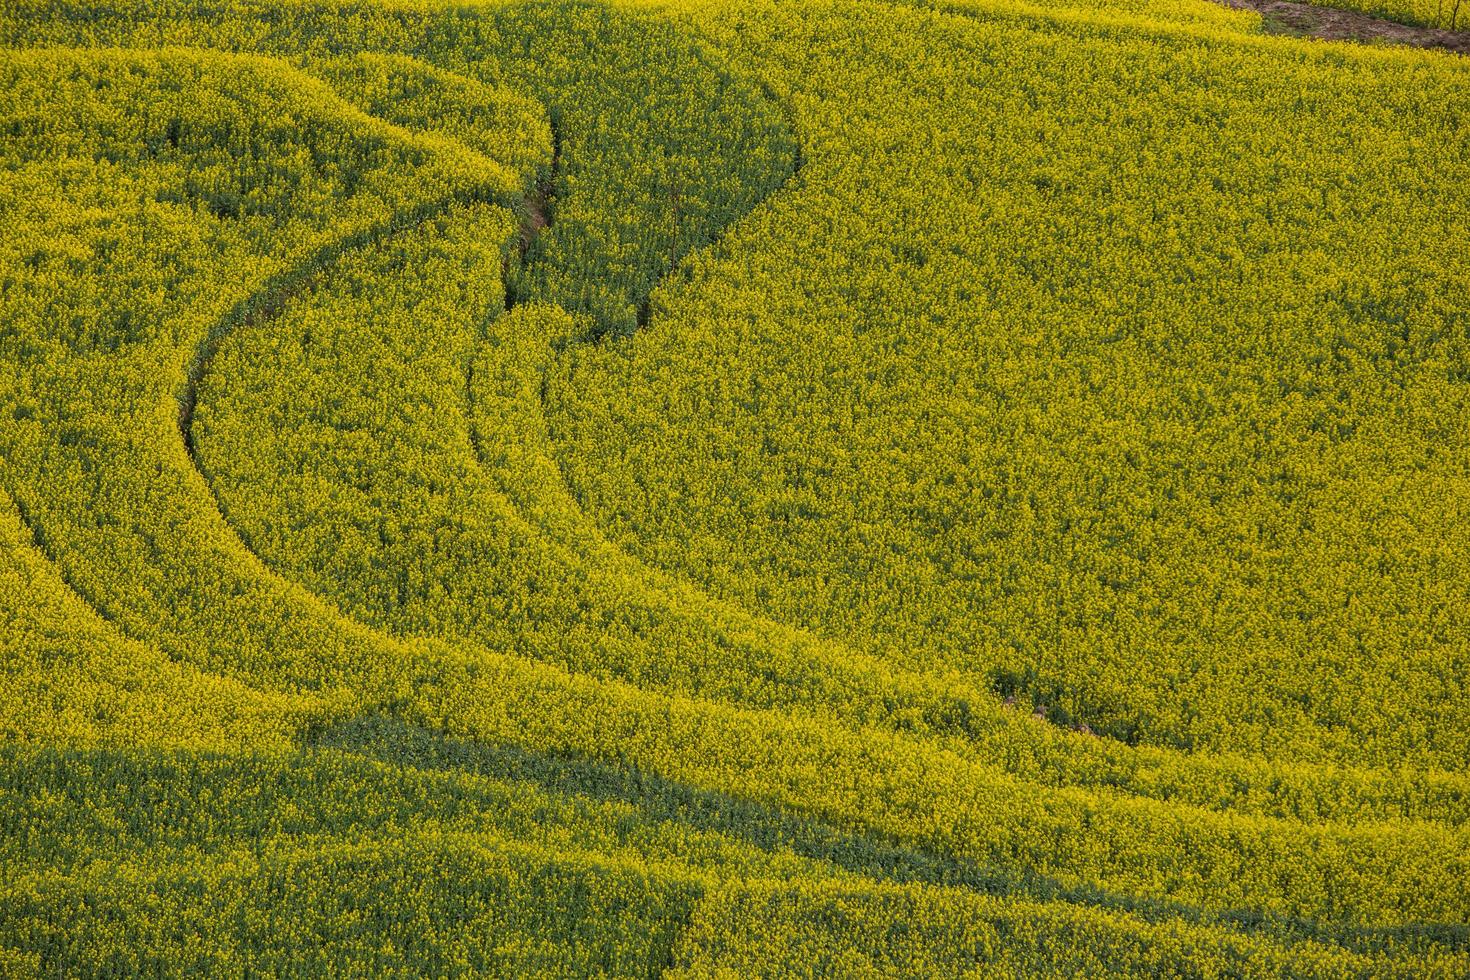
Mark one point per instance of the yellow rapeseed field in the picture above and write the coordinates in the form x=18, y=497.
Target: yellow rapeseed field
x=731, y=488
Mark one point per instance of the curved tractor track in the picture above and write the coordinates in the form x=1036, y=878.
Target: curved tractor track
x=536, y=209
x=294, y=282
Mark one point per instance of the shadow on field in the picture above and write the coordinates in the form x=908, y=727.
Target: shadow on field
x=658, y=799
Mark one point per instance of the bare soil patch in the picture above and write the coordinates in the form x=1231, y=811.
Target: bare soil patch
x=1334, y=24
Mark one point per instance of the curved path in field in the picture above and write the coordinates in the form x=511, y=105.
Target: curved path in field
x=293, y=282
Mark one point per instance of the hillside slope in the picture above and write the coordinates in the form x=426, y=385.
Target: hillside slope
x=828, y=488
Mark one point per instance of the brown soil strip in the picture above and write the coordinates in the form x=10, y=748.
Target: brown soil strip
x=1334, y=24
